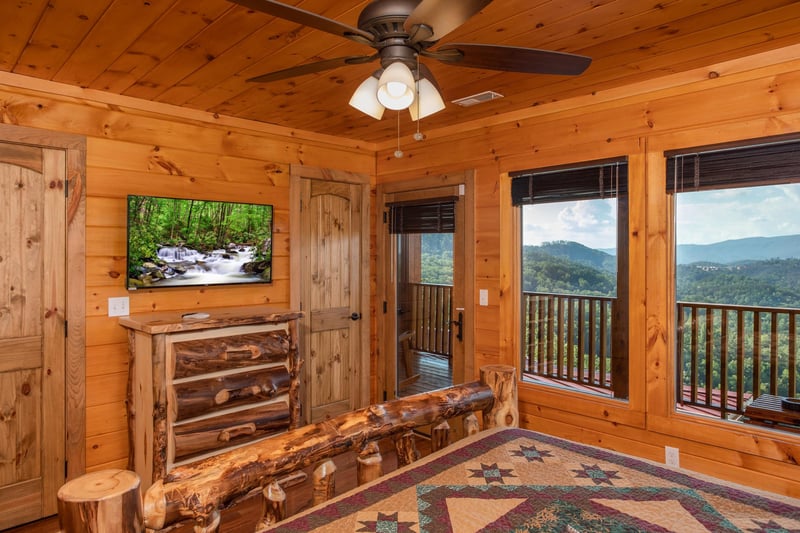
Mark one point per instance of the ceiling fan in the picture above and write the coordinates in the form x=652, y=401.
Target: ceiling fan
x=402, y=31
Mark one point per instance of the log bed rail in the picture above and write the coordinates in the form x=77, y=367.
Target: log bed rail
x=110, y=500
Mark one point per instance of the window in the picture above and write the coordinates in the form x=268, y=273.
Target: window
x=574, y=285
x=737, y=286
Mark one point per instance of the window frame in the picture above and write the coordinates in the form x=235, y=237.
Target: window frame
x=554, y=404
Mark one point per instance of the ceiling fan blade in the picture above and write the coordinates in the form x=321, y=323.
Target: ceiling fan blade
x=433, y=19
x=511, y=59
x=311, y=68
x=307, y=18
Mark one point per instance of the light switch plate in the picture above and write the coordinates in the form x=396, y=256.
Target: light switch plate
x=484, y=297
x=119, y=306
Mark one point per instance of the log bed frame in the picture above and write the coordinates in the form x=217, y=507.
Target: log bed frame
x=110, y=500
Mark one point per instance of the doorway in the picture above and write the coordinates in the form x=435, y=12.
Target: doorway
x=425, y=284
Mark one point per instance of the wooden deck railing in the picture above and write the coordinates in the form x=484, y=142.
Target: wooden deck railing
x=431, y=317
x=719, y=367
x=568, y=338
x=735, y=353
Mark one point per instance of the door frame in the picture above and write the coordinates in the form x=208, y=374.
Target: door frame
x=74, y=315
x=386, y=328
x=296, y=174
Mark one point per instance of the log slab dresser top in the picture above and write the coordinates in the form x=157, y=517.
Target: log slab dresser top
x=200, y=383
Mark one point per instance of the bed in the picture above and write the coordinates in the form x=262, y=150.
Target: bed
x=501, y=479
x=511, y=479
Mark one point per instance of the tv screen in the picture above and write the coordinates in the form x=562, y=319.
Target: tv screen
x=175, y=242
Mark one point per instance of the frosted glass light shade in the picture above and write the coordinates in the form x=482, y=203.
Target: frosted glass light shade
x=396, y=87
x=429, y=101
x=365, y=98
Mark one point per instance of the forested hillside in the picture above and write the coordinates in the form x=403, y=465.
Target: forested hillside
x=565, y=267
x=571, y=268
x=575, y=271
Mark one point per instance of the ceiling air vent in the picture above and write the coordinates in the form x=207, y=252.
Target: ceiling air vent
x=479, y=98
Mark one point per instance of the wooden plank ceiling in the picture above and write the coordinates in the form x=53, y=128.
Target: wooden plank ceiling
x=199, y=53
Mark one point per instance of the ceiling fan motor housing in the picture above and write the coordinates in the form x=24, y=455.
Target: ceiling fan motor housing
x=385, y=19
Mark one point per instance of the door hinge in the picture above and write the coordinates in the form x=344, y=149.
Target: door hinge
x=66, y=328
x=385, y=217
x=384, y=396
x=385, y=307
x=66, y=188
x=66, y=468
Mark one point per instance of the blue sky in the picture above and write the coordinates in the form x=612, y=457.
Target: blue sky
x=702, y=217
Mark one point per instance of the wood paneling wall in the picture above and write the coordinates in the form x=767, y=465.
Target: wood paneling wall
x=134, y=147
x=747, y=98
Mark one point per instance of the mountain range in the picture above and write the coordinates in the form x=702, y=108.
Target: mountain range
x=724, y=252
x=759, y=271
x=737, y=250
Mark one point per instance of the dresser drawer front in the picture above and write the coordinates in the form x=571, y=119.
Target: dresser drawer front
x=206, y=396
x=203, y=356
x=229, y=429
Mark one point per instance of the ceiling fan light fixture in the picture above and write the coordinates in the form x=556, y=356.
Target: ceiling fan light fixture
x=429, y=101
x=396, y=87
x=365, y=98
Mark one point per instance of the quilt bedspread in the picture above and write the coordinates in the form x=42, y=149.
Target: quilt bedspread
x=519, y=480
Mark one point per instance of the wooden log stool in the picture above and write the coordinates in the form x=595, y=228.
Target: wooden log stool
x=106, y=501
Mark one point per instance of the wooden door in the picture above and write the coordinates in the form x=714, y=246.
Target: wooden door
x=398, y=377
x=333, y=240
x=32, y=330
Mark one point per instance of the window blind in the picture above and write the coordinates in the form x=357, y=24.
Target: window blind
x=436, y=215
x=592, y=181
x=742, y=166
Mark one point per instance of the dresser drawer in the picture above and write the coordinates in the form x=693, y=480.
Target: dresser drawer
x=229, y=429
x=206, y=396
x=203, y=356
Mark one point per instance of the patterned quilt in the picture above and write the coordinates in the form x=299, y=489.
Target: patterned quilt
x=519, y=480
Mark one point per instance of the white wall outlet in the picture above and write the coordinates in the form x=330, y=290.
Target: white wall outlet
x=119, y=306
x=672, y=456
x=483, y=295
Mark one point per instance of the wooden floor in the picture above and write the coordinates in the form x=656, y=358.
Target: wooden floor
x=435, y=372
x=242, y=517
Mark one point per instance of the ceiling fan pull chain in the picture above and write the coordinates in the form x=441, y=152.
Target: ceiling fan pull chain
x=398, y=153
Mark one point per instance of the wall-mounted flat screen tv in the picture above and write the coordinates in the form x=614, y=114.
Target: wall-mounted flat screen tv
x=174, y=242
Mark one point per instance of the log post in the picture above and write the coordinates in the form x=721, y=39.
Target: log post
x=103, y=501
x=471, y=424
x=406, y=447
x=370, y=463
x=324, y=480
x=502, y=379
x=440, y=436
x=273, y=506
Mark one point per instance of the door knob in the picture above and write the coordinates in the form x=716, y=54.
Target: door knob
x=355, y=316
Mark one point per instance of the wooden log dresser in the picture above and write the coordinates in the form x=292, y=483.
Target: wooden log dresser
x=203, y=383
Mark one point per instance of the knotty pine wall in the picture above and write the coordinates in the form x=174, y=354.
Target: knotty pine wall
x=747, y=98
x=134, y=147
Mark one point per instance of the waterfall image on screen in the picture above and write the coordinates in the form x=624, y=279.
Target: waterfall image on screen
x=175, y=242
